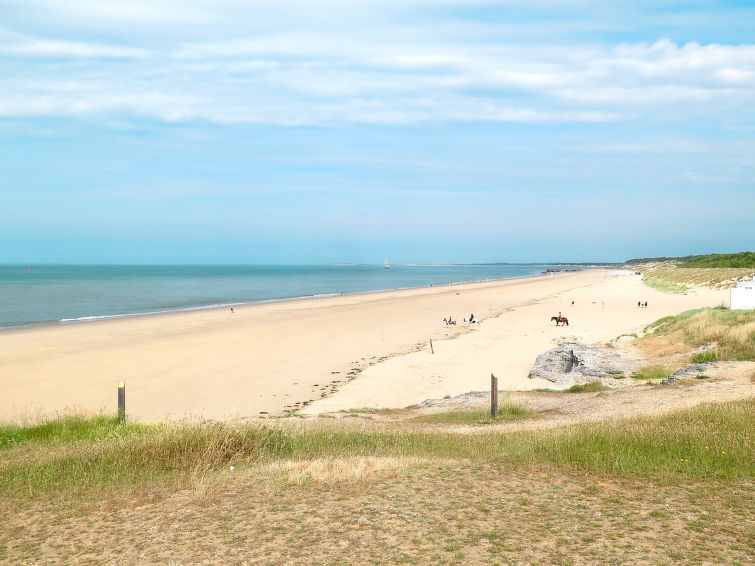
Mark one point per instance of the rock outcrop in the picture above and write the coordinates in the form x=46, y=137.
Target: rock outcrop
x=572, y=364
x=696, y=371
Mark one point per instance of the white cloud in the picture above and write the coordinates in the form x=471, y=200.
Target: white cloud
x=48, y=48
x=295, y=62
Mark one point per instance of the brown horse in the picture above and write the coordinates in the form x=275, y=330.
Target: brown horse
x=562, y=319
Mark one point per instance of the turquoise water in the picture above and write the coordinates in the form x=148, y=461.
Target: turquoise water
x=60, y=294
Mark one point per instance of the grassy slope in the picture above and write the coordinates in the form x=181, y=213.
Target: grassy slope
x=670, y=278
x=651, y=448
x=635, y=491
x=678, y=275
x=731, y=333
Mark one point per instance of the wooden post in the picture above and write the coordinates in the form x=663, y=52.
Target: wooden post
x=122, y=401
x=432, y=351
x=493, y=396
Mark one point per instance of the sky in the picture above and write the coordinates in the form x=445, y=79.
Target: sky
x=419, y=131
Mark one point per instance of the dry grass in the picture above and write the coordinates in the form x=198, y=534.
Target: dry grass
x=337, y=470
x=657, y=490
x=443, y=512
x=724, y=334
x=667, y=277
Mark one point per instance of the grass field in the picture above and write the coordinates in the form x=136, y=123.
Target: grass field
x=675, y=488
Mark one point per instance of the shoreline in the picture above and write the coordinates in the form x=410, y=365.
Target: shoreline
x=4, y=327
x=335, y=352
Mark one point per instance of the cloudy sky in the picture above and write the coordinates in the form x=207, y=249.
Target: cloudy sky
x=294, y=131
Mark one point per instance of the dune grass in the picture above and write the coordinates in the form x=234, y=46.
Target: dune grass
x=506, y=412
x=653, y=372
x=69, y=429
x=667, y=277
x=730, y=333
x=708, y=441
x=665, y=286
x=589, y=387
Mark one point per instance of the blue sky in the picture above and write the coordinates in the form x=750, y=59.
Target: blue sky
x=422, y=131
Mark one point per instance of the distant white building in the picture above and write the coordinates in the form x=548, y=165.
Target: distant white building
x=743, y=296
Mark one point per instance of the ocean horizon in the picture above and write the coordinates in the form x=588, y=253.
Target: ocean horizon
x=35, y=295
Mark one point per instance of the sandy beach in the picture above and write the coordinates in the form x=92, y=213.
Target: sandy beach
x=369, y=350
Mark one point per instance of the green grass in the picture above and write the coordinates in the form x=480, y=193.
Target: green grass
x=506, y=412
x=652, y=372
x=587, y=387
x=670, y=278
x=739, y=260
x=69, y=430
x=732, y=332
x=704, y=357
x=707, y=441
x=665, y=286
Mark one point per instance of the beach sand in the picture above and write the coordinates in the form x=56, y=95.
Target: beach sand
x=273, y=357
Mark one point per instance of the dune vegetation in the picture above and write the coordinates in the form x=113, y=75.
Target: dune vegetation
x=280, y=491
x=102, y=452
x=679, y=275
x=670, y=278
x=722, y=333
x=740, y=260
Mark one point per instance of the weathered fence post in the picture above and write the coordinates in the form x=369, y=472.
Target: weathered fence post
x=493, y=396
x=121, y=400
x=432, y=351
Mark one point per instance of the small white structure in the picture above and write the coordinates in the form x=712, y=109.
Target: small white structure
x=743, y=296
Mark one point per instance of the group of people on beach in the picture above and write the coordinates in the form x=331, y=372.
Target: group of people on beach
x=451, y=322
x=641, y=305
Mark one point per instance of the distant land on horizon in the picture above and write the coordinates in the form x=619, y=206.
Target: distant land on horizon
x=744, y=259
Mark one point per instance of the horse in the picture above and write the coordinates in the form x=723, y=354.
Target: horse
x=562, y=319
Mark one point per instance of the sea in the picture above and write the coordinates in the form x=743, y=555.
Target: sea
x=34, y=295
